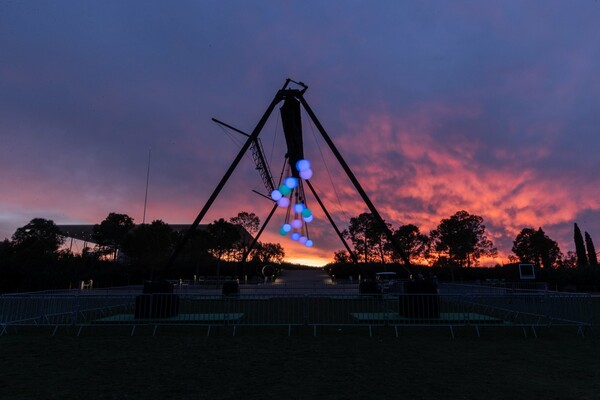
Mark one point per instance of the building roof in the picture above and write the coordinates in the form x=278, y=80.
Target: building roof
x=85, y=232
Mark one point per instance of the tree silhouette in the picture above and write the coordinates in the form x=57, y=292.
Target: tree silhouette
x=582, y=260
x=249, y=221
x=368, y=237
x=149, y=244
x=535, y=247
x=39, y=238
x=111, y=232
x=463, y=237
x=591, y=250
x=341, y=257
x=222, y=237
x=412, y=242
x=269, y=252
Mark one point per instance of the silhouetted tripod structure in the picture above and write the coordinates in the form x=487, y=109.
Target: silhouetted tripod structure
x=290, y=113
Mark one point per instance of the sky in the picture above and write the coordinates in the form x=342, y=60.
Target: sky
x=436, y=106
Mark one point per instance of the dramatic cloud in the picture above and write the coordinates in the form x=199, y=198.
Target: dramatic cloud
x=437, y=107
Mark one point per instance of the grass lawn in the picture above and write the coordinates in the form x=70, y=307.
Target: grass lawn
x=260, y=363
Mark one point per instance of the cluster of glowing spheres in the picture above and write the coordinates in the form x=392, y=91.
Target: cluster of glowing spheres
x=303, y=214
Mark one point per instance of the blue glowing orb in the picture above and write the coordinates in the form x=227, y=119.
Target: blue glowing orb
x=302, y=165
x=309, y=243
x=291, y=182
x=306, y=174
x=295, y=236
x=308, y=219
x=276, y=195
x=298, y=208
x=286, y=227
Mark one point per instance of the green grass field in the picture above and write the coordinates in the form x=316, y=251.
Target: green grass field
x=260, y=363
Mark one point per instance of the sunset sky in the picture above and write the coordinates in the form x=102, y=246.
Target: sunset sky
x=492, y=107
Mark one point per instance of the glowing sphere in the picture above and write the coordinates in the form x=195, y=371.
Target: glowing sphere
x=303, y=239
x=286, y=228
x=308, y=219
x=296, y=224
x=298, y=208
x=306, y=174
x=295, y=236
x=309, y=243
x=306, y=212
x=276, y=195
x=284, y=190
x=291, y=182
x=283, y=202
x=282, y=231
x=302, y=165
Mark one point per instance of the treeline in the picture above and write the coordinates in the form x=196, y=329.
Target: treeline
x=125, y=253
x=461, y=240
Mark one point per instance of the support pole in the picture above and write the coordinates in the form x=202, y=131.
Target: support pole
x=314, y=192
x=278, y=97
x=355, y=182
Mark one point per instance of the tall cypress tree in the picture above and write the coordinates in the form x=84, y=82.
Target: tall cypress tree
x=591, y=250
x=580, y=248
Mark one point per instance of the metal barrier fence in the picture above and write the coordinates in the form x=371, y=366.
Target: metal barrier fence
x=448, y=310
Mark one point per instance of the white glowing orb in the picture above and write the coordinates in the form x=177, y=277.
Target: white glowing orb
x=286, y=228
x=283, y=202
x=276, y=195
x=308, y=219
x=295, y=236
x=309, y=243
x=284, y=190
x=298, y=208
x=303, y=239
x=296, y=224
x=302, y=165
x=306, y=174
x=291, y=182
